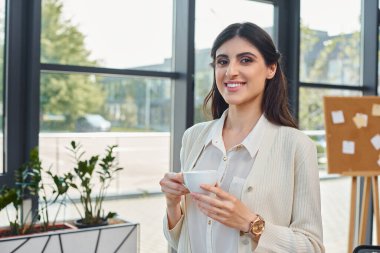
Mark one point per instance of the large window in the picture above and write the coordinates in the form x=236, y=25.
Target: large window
x=211, y=17
x=331, y=54
x=124, y=110
x=106, y=79
x=113, y=34
x=330, y=46
x=133, y=113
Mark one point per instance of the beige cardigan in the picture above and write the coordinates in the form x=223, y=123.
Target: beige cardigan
x=283, y=187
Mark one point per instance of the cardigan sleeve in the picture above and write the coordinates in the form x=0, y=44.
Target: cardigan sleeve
x=304, y=235
x=172, y=235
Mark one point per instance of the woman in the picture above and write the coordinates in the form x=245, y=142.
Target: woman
x=268, y=196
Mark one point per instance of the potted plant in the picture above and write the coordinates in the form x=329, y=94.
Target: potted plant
x=118, y=235
x=84, y=179
x=29, y=182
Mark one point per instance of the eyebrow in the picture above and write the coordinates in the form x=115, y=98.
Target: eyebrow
x=238, y=55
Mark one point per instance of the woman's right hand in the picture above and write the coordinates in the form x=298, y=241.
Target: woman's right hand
x=173, y=188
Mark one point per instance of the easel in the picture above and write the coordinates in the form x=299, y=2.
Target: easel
x=362, y=162
x=369, y=176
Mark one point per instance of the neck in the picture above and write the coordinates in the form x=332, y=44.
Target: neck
x=242, y=119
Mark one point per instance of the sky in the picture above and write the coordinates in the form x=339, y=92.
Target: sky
x=333, y=16
x=125, y=33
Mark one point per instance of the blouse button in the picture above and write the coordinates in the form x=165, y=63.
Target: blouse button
x=209, y=222
x=224, y=158
x=245, y=241
x=250, y=188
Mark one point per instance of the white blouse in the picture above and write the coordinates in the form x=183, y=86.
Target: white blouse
x=233, y=166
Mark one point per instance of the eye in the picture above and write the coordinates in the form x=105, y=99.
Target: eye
x=246, y=60
x=222, y=62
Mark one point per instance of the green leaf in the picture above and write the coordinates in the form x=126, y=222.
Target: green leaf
x=111, y=215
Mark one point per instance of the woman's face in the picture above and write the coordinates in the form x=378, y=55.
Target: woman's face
x=241, y=73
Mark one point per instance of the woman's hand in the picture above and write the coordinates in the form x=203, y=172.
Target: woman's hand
x=173, y=188
x=224, y=208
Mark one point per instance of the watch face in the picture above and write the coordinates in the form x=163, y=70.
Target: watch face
x=258, y=226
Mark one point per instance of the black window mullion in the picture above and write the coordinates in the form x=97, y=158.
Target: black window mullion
x=21, y=101
x=183, y=88
x=287, y=37
x=332, y=86
x=369, y=46
x=58, y=68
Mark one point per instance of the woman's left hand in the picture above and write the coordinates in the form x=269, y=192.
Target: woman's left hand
x=224, y=208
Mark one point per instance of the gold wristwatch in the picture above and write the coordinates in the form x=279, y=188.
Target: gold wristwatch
x=256, y=227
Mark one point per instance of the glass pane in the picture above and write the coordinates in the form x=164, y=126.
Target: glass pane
x=311, y=106
x=93, y=103
x=211, y=17
x=330, y=46
x=112, y=34
x=98, y=111
x=2, y=42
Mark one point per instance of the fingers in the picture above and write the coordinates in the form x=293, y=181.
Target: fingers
x=177, y=177
x=211, y=210
x=207, y=199
x=219, y=207
x=171, y=184
x=210, y=206
x=174, y=188
x=217, y=191
x=171, y=191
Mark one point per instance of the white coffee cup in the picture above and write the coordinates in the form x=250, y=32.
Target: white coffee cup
x=193, y=179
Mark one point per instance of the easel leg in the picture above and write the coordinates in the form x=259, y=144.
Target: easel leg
x=364, y=209
x=352, y=214
x=375, y=190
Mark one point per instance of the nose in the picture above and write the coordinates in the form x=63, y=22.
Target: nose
x=232, y=69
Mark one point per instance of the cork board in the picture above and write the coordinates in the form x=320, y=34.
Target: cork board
x=352, y=127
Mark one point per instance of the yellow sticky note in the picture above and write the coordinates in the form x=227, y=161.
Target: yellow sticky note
x=360, y=120
x=375, y=110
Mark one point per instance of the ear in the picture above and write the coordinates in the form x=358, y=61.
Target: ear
x=271, y=71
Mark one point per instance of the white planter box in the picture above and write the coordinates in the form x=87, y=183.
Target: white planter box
x=122, y=237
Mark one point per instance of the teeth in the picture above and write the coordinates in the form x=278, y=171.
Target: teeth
x=233, y=85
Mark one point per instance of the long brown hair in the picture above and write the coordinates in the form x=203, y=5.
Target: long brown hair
x=275, y=100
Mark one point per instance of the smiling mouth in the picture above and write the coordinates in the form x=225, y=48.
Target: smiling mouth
x=233, y=85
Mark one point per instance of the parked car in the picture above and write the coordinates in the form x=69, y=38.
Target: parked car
x=92, y=123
